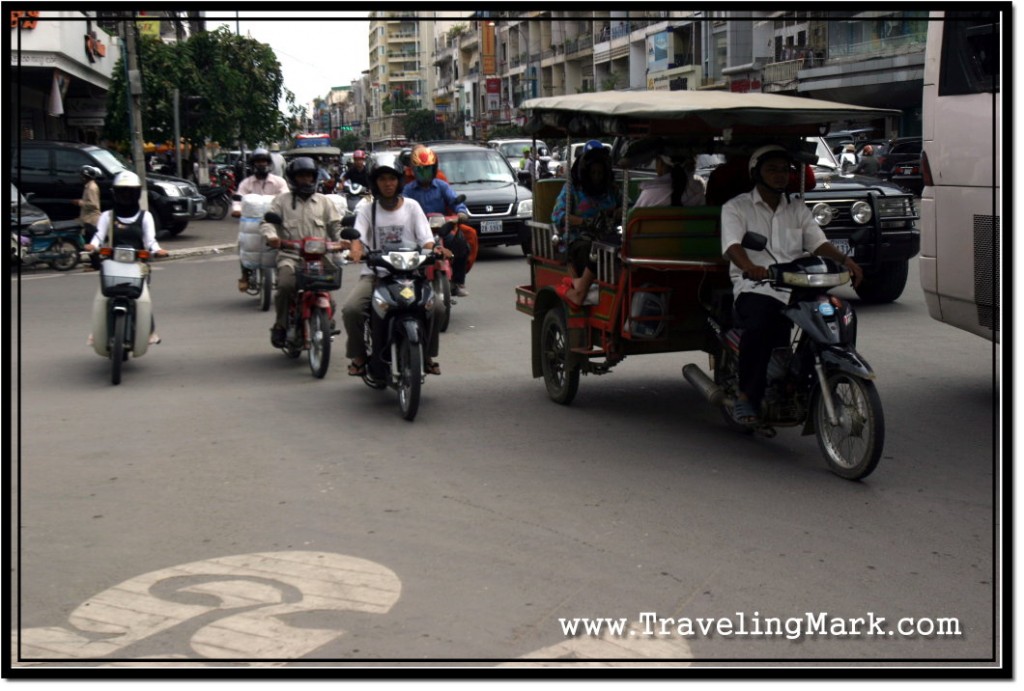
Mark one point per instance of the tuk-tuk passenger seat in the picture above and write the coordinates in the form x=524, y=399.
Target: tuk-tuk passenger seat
x=690, y=233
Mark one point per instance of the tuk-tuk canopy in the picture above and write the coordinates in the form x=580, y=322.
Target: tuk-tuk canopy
x=681, y=113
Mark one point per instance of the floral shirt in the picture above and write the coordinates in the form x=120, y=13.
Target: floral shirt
x=583, y=205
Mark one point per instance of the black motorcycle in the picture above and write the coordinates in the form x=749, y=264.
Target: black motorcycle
x=398, y=328
x=218, y=201
x=819, y=381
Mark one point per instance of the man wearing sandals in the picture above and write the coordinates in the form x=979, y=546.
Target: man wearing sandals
x=792, y=232
x=388, y=217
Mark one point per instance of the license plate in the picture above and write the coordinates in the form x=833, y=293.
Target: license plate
x=490, y=226
x=907, y=171
x=843, y=246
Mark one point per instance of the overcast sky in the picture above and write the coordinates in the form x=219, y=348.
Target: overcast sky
x=317, y=50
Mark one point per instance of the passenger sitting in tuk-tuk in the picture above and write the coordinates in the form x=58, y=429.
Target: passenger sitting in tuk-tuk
x=676, y=184
x=593, y=205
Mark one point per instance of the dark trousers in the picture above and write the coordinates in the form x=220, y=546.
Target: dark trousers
x=764, y=329
x=456, y=242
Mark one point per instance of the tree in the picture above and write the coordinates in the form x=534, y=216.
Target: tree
x=421, y=125
x=231, y=83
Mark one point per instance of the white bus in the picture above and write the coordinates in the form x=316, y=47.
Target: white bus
x=961, y=166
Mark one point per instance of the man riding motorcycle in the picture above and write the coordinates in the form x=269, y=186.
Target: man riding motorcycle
x=437, y=196
x=356, y=171
x=264, y=182
x=304, y=213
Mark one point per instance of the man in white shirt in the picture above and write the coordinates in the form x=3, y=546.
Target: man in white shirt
x=387, y=218
x=792, y=232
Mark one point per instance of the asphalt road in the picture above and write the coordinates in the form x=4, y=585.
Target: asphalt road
x=221, y=504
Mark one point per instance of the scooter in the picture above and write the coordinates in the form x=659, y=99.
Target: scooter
x=57, y=244
x=354, y=193
x=122, y=311
x=309, y=322
x=218, y=201
x=398, y=327
x=819, y=381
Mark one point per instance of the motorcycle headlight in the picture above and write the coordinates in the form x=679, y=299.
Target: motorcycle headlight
x=823, y=213
x=861, y=212
x=804, y=280
x=404, y=261
x=167, y=188
x=316, y=246
x=525, y=208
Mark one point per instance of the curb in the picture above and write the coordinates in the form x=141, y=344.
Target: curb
x=199, y=251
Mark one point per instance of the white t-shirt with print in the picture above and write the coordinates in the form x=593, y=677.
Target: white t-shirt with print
x=406, y=224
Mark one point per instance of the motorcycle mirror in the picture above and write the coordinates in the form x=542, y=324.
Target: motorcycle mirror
x=460, y=199
x=349, y=234
x=754, y=241
x=271, y=217
x=348, y=220
x=236, y=197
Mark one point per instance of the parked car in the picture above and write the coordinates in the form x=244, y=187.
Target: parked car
x=23, y=213
x=512, y=149
x=499, y=206
x=902, y=164
x=49, y=170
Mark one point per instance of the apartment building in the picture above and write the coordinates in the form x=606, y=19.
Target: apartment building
x=872, y=58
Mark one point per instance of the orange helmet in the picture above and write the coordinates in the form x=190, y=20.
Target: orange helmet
x=424, y=164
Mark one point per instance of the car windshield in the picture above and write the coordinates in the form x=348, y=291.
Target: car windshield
x=110, y=161
x=481, y=165
x=826, y=159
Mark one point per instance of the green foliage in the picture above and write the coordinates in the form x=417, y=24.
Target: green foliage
x=421, y=125
x=237, y=80
x=507, y=132
x=349, y=142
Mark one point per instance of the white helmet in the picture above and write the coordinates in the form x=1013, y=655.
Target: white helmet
x=126, y=178
x=762, y=154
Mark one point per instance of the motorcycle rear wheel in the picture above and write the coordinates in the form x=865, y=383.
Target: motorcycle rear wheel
x=216, y=209
x=117, y=347
x=319, y=342
x=853, y=447
x=410, y=368
x=68, y=255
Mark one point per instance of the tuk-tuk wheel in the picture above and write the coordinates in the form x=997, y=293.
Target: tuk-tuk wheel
x=561, y=379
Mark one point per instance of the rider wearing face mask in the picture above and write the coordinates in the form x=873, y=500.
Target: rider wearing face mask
x=262, y=181
x=437, y=196
x=304, y=212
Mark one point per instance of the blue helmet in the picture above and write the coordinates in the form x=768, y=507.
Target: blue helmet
x=592, y=145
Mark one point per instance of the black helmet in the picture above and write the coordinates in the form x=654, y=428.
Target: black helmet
x=261, y=154
x=303, y=164
x=378, y=169
x=258, y=155
x=405, y=158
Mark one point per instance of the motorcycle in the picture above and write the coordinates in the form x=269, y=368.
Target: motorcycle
x=309, y=322
x=218, y=201
x=253, y=254
x=122, y=310
x=440, y=272
x=818, y=381
x=397, y=329
x=354, y=193
x=57, y=244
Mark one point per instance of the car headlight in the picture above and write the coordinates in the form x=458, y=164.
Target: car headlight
x=526, y=208
x=861, y=212
x=169, y=189
x=895, y=206
x=823, y=213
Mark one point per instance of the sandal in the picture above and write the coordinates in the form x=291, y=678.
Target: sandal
x=563, y=292
x=432, y=368
x=356, y=370
x=743, y=413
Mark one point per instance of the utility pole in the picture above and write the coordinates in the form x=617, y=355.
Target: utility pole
x=177, y=133
x=135, y=107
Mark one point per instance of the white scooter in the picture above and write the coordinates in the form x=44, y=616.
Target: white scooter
x=122, y=311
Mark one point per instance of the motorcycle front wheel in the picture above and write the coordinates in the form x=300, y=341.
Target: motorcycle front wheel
x=266, y=287
x=117, y=347
x=443, y=289
x=410, y=368
x=67, y=258
x=319, y=342
x=853, y=446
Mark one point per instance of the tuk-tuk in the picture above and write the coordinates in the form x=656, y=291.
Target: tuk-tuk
x=658, y=280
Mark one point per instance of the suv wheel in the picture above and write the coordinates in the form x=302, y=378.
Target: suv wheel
x=886, y=284
x=176, y=227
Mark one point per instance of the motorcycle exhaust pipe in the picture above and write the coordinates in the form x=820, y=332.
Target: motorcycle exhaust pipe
x=703, y=383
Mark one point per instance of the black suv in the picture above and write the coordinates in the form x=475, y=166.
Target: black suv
x=901, y=164
x=843, y=205
x=50, y=171
x=499, y=206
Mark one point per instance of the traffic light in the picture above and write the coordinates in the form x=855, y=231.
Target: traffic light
x=194, y=108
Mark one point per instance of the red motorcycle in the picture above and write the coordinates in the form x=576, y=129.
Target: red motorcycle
x=309, y=324
x=440, y=272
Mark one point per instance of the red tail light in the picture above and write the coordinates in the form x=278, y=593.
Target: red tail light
x=926, y=170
